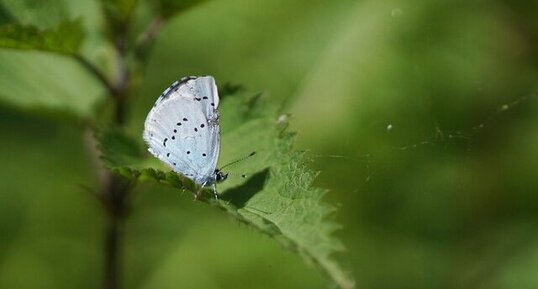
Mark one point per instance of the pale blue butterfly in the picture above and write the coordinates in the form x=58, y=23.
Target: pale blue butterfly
x=182, y=129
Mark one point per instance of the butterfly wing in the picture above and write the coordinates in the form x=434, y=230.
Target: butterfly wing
x=182, y=128
x=203, y=90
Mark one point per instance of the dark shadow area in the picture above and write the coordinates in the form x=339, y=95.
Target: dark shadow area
x=229, y=89
x=238, y=196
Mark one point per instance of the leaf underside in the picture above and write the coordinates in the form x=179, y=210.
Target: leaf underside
x=276, y=198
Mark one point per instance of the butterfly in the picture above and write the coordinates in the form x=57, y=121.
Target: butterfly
x=182, y=130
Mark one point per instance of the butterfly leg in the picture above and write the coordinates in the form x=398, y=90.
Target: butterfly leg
x=215, y=191
x=199, y=192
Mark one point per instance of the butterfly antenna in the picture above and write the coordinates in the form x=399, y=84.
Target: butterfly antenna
x=237, y=175
x=238, y=160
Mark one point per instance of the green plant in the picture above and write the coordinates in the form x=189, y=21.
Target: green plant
x=276, y=198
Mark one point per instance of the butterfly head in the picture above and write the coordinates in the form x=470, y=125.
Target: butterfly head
x=220, y=176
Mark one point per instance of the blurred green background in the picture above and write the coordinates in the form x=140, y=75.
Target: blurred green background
x=421, y=116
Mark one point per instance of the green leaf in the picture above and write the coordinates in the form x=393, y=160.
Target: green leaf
x=48, y=83
x=117, y=149
x=43, y=14
x=277, y=197
x=64, y=38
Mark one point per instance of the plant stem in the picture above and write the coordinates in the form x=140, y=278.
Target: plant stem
x=112, y=194
x=114, y=189
x=114, y=197
x=96, y=72
x=145, y=40
x=112, y=255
